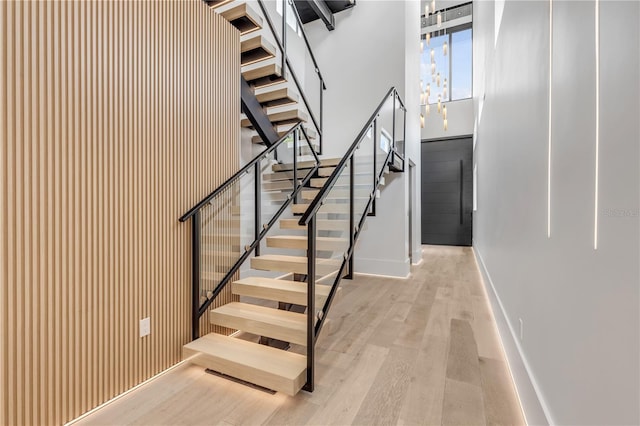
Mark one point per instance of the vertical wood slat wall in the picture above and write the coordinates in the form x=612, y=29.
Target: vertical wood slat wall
x=115, y=118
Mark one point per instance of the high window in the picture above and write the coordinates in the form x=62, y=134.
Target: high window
x=448, y=70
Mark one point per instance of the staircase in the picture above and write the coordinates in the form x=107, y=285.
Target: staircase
x=281, y=231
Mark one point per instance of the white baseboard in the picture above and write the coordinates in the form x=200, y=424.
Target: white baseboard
x=383, y=267
x=417, y=254
x=533, y=406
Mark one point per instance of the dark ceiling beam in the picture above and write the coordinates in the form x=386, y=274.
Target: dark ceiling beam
x=322, y=10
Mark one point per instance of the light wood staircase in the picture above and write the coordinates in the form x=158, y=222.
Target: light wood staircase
x=239, y=355
x=269, y=367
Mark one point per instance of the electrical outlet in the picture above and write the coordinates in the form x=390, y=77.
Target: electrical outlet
x=521, y=327
x=145, y=327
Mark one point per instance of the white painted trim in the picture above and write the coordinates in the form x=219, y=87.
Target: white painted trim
x=382, y=276
x=417, y=254
x=535, y=409
x=383, y=267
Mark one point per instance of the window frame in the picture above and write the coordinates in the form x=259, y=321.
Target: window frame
x=449, y=32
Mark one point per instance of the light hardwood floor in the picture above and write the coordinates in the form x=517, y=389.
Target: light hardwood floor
x=419, y=351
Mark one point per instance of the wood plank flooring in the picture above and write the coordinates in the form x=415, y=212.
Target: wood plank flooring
x=421, y=351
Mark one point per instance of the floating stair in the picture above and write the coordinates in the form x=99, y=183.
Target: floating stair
x=263, y=321
x=278, y=290
x=255, y=49
x=326, y=208
x=310, y=194
x=303, y=144
x=295, y=264
x=325, y=171
x=244, y=18
x=326, y=162
x=343, y=181
x=290, y=116
x=283, y=185
x=265, y=366
x=298, y=242
x=224, y=228
x=321, y=224
x=278, y=97
x=264, y=76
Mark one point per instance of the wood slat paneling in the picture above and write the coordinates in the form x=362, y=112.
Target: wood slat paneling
x=115, y=118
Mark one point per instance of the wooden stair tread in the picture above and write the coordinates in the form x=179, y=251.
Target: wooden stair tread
x=243, y=17
x=342, y=208
x=278, y=97
x=289, y=116
x=321, y=224
x=263, y=321
x=295, y=264
x=255, y=49
x=325, y=162
x=343, y=181
x=278, y=185
x=259, y=364
x=325, y=171
x=278, y=290
x=264, y=76
x=258, y=140
x=310, y=194
x=299, y=242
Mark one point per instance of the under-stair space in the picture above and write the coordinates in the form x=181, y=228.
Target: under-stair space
x=281, y=231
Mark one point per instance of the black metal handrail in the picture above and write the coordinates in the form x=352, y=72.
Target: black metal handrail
x=306, y=41
x=319, y=199
x=316, y=322
x=286, y=64
x=238, y=174
x=198, y=309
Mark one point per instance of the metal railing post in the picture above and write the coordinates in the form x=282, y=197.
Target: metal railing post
x=375, y=160
x=321, y=112
x=284, y=38
x=195, y=276
x=351, y=215
x=393, y=128
x=257, y=206
x=295, y=164
x=311, y=302
x=404, y=138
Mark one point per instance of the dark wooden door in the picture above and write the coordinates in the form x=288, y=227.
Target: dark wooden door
x=447, y=192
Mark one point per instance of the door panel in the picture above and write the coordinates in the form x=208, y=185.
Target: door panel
x=447, y=192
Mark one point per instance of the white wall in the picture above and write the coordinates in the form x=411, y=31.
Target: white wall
x=579, y=306
x=361, y=59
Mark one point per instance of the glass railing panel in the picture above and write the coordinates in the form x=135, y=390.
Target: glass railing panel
x=364, y=175
x=227, y=227
x=384, y=133
x=232, y=221
x=332, y=233
x=399, y=129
